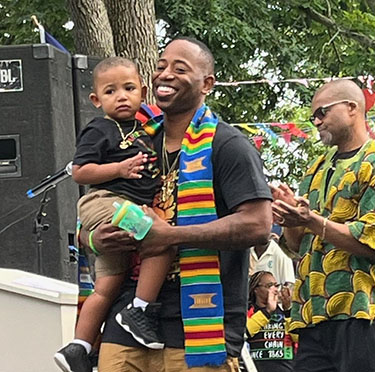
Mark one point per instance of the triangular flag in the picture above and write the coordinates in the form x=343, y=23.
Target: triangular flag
x=248, y=128
x=296, y=131
x=369, y=98
x=287, y=137
x=258, y=141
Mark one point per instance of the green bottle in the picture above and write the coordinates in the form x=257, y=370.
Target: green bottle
x=131, y=218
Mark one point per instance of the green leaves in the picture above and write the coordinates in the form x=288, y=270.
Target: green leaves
x=16, y=26
x=251, y=40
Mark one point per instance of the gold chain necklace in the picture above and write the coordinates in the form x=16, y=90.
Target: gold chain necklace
x=169, y=176
x=125, y=143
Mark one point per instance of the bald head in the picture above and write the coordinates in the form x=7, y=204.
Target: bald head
x=342, y=122
x=342, y=89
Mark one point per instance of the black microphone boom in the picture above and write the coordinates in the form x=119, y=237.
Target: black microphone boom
x=51, y=181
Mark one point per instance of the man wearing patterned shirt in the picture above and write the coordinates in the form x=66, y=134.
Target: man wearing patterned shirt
x=332, y=225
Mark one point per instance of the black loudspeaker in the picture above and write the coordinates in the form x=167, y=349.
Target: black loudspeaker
x=84, y=110
x=37, y=138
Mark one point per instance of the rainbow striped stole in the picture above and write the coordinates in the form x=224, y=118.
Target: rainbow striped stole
x=202, y=304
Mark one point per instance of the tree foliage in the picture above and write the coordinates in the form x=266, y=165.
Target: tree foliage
x=16, y=26
x=290, y=39
x=99, y=30
x=250, y=39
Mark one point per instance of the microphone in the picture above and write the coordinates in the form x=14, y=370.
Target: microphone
x=50, y=182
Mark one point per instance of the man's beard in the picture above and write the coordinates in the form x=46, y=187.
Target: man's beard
x=326, y=138
x=329, y=139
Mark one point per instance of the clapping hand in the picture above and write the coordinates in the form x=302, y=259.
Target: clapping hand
x=272, y=300
x=291, y=216
x=283, y=192
x=286, y=297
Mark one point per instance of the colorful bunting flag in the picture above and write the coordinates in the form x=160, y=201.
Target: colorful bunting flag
x=287, y=137
x=258, y=140
x=247, y=128
x=269, y=131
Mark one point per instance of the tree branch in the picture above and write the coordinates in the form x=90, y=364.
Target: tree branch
x=332, y=41
x=330, y=23
x=371, y=5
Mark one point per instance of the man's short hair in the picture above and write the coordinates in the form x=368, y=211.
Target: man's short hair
x=207, y=54
x=110, y=62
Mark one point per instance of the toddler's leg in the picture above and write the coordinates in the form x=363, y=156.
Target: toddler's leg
x=96, y=306
x=140, y=318
x=152, y=274
x=110, y=271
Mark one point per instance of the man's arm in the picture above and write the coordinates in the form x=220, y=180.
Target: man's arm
x=335, y=233
x=249, y=224
x=293, y=237
x=340, y=236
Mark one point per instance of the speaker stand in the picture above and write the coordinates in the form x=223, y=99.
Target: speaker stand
x=39, y=227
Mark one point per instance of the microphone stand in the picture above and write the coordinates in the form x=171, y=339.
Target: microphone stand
x=39, y=226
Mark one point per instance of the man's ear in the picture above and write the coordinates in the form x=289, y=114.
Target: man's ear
x=353, y=108
x=144, y=92
x=95, y=100
x=208, y=84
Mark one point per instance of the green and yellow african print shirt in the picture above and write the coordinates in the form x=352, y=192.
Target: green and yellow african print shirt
x=331, y=283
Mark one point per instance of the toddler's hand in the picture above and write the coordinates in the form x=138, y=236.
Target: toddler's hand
x=131, y=167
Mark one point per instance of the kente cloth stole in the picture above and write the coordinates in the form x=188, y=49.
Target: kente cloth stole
x=202, y=304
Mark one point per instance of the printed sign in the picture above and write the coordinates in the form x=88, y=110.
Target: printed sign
x=271, y=342
x=11, y=75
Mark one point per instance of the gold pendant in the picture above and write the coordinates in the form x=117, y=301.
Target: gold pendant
x=169, y=184
x=124, y=145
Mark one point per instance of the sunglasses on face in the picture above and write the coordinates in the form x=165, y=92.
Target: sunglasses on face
x=270, y=285
x=321, y=111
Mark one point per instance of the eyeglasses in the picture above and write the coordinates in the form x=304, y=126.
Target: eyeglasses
x=270, y=285
x=321, y=111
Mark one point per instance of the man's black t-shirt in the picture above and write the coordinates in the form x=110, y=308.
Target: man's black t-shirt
x=99, y=142
x=238, y=177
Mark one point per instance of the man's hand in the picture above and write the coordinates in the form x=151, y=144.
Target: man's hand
x=108, y=239
x=156, y=240
x=284, y=193
x=292, y=216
